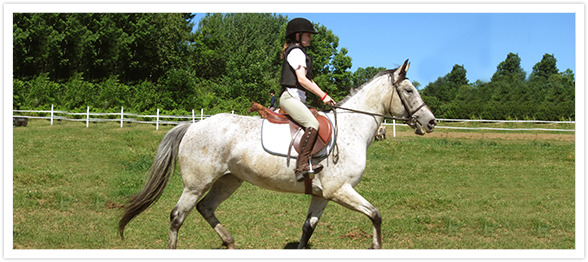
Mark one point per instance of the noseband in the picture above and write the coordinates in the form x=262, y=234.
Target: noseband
x=411, y=118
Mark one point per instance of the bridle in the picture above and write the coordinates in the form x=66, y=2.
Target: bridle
x=410, y=120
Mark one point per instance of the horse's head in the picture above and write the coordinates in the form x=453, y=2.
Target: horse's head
x=411, y=103
x=254, y=106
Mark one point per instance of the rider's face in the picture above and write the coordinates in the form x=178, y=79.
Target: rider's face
x=305, y=39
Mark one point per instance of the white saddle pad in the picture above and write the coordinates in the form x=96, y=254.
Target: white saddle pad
x=276, y=139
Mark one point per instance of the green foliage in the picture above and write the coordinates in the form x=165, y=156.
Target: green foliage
x=157, y=60
x=510, y=69
x=330, y=66
x=238, y=52
x=546, y=95
x=133, y=46
x=364, y=75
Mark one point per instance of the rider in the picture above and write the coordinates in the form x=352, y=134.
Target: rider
x=273, y=101
x=295, y=81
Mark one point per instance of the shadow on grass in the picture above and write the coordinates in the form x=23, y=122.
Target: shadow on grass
x=294, y=245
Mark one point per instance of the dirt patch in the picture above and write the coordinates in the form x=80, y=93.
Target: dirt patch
x=112, y=205
x=355, y=235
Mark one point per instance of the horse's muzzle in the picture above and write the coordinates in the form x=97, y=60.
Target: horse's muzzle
x=430, y=127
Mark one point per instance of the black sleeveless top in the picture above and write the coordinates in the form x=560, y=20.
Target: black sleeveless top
x=289, y=78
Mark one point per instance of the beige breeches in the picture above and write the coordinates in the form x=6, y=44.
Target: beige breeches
x=298, y=111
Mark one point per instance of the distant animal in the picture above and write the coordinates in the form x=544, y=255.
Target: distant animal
x=258, y=108
x=381, y=134
x=262, y=110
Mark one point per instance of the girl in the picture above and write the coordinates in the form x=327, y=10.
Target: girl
x=296, y=80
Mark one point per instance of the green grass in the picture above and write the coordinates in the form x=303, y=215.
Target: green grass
x=432, y=192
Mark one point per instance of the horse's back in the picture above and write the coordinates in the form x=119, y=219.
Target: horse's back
x=222, y=129
x=227, y=143
x=219, y=134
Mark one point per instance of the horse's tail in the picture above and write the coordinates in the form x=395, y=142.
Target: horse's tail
x=162, y=169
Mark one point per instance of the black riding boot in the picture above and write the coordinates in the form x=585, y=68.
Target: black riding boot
x=303, y=160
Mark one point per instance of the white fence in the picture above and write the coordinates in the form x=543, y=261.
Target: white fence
x=129, y=117
x=121, y=117
x=440, y=121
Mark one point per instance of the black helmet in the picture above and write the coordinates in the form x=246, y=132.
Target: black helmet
x=299, y=25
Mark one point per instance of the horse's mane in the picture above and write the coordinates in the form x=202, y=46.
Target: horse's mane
x=354, y=91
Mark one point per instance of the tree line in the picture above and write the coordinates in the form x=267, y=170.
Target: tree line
x=156, y=60
x=546, y=94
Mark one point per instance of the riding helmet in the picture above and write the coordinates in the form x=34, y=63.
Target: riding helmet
x=299, y=25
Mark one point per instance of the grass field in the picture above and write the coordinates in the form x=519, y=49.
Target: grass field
x=446, y=190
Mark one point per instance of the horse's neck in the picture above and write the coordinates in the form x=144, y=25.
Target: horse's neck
x=372, y=98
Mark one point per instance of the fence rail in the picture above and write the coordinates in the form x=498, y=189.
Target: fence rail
x=122, y=117
x=393, y=124
x=130, y=118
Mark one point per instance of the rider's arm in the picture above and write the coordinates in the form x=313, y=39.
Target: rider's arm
x=311, y=85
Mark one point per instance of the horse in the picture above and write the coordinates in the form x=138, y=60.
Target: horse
x=259, y=108
x=262, y=110
x=219, y=153
x=381, y=133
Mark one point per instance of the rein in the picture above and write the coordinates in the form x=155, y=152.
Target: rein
x=410, y=119
x=374, y=114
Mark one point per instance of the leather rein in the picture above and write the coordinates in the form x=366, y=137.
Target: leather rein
x=411, y=119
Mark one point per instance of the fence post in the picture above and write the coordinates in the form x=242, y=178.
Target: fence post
x=51, y=114
x=88, y=117
x=201, y=114
x=394, y=127
x=121, y=116
x=193, y=119
x=157, y=120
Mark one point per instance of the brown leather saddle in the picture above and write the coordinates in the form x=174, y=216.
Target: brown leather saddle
x=296, y=130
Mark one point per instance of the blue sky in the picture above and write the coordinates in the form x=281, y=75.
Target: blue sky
x=435, y=42
x=434, y=37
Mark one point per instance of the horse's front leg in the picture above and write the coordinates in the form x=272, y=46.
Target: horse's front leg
x=317, y=206
x=349, y=198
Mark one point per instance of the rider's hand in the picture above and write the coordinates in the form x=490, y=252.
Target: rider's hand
x=329, y=101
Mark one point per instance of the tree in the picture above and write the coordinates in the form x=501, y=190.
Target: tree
x=544, y=69
x=363, y=75
x=238, y=51
x=445, y=88
x=135, y=46
x=35, y=45
x=510, y=69
x=159, y=44
x=552, y=93
x=330, y=65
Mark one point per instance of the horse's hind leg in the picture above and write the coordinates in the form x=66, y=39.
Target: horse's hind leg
x=317, y=206
x=220, y=191
x=184, y=206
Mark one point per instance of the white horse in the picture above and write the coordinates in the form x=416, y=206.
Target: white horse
x=219, y=153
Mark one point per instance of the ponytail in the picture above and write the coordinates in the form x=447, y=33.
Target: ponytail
x=286, y=45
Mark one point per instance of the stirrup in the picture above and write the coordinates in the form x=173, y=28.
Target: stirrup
x=302, y=175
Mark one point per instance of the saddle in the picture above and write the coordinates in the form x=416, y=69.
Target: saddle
x=296, y=130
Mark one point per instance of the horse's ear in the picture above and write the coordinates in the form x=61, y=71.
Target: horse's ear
x=405, y=67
